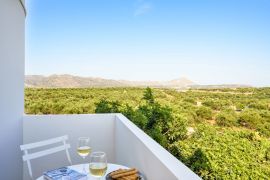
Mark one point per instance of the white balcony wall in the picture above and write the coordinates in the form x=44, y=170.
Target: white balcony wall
x=100, y=128
x=136, y=149
x=12, y=19
x=114, y=134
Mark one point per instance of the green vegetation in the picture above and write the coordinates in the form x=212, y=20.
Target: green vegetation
x=217, y=153
x=218, y=133
x=227, y=117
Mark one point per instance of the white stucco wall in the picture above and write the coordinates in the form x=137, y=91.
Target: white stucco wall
x=11, y=88
x=99, y=127
x=114, y=134
x=134, y=148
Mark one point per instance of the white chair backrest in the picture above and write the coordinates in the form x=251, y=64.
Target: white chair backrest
x=29, y=156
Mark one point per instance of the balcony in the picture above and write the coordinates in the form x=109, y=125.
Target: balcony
x=114, y=134
x=123, y=142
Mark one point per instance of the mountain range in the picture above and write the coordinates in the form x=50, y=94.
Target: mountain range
x=70, y=81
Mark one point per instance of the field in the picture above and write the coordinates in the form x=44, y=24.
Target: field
x=218, y=133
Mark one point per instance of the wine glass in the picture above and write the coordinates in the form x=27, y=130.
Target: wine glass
x=84, y=148
x=98, y=164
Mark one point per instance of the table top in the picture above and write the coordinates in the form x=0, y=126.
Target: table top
x=79, y=168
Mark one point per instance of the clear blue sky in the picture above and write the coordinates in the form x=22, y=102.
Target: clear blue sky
x=207, y=41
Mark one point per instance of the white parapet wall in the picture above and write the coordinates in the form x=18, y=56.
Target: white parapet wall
x=136, y=149
x=12, y=19
x=100, y=128
x=114, y=134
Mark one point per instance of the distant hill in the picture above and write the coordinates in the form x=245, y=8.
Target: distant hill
x=70, y=81
x=221, y=86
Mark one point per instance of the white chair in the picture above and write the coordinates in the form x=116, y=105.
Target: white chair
x=29, y=156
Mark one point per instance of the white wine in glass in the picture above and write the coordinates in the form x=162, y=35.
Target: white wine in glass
x=84, y=151
x=98, y=164
x=84, y=148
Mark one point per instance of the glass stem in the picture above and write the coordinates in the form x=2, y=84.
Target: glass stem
x=84, y=165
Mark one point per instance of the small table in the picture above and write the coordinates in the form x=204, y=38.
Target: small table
x=79, y=168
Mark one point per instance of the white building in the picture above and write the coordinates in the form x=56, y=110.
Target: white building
x=113, y=133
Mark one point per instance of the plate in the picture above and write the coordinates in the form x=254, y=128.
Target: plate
x=141, y=177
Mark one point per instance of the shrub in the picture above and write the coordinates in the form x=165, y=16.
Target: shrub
x=267, y=155
x=135, y=116
x=190, y=100
x=239, y=106
x=204, y=113
x=105, y=106
x=215, y=105
x=200, y=163
x=249, y=118
x=158, y=136
x=226, y=118
x=258, y=105
x=177, y=129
